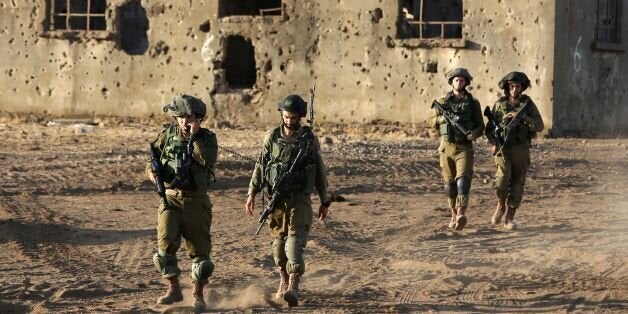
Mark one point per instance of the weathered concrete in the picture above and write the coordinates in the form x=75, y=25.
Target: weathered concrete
x=347, y=47
x=590, y=84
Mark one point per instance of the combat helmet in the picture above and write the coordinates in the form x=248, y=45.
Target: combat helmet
x=293, y=103
x=518, y=77
x=183, y=104
x=459, y=72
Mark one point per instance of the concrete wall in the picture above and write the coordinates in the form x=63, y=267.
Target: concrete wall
x=62, y=73
x=362, y=72
x=590, y=81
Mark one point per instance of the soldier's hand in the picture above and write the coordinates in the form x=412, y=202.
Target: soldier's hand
x=152, y=178
x=441, y=120
x=322, y=212
x=250, y=204
x=511, y=115
x=195, y=125
x=470, y=136
x=494, y=149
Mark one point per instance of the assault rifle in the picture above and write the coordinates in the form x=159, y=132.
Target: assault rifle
x=513, y=123
x=156, y=166
x=451, y=118
x=495, y=130
x=283, y=185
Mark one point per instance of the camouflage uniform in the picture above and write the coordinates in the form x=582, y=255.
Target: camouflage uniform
x=290, y=223
x=189, y=210
x=513, y=160
x=456, y=149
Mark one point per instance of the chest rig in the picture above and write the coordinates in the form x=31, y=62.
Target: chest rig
x=462, y=109
x=514, y=132
x=283, y=152
x=177, y=159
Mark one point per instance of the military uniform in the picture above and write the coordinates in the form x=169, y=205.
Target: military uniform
x=513, y=159
x=456, y=153
x=291, y=221
x=188, y=163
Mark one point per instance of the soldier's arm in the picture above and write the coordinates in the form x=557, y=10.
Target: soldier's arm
x=159, y=144
x=255, y=185
x=478, y=121
x=321, y=183
x=533, y=119
x=205, y=150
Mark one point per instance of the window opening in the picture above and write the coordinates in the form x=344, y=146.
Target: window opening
x=249, y=7
x=607, y=26
x=84, y=15
x=239, y=62
x=427, y=19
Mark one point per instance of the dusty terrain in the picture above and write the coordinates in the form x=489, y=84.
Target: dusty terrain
x=77, y=227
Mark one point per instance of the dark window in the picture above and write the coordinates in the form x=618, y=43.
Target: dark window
x=249, y=7
x=239, y=62
x=607, y=26
x=429, y=19
x=133, y=26
x=84, y=15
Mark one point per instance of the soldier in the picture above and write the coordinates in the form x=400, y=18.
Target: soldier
x=290, y=222
x=456, y=145
x=188, y=154
x=519, y=120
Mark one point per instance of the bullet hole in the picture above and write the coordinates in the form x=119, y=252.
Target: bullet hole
x=133, y=26
x=376, y=15
x=205, y=27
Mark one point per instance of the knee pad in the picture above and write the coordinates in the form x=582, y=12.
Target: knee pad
x=166, y=264
x=451, y=189
x=201, y=270
x=464, y=185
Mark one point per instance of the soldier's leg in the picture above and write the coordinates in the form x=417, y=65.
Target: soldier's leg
x=168, y=242
x=451, y=189
x=520, y=165
x=278, y=226
x=448, y=171
x=196, y=230
x=502, y=184
x=300, y=221
x=464, y=173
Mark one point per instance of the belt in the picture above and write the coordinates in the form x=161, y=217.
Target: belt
x=183, y=193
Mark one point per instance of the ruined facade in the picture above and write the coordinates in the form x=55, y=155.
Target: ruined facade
x=370, y=59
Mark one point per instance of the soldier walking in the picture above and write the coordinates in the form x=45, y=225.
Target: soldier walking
x=458, y=118
x=519, y=120
x=188, y=155
x=291, y=220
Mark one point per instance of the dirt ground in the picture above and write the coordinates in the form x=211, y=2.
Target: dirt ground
x=77, y=227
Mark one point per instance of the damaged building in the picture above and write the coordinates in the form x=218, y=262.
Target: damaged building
x=370, y=59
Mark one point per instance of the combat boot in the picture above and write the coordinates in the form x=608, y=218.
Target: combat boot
x=173, y=294
x=509, y=221
x=283, y=282
x=197, y=295
x=452, y=222
x=461, y=219
x=291, y=295
x=499, y=212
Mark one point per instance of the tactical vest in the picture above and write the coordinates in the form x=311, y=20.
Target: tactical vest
x=516, y=133
x=180, y=170
x=463, y=110
x=282, y=154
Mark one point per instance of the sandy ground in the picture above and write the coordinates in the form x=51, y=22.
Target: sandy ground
x=77, y=228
